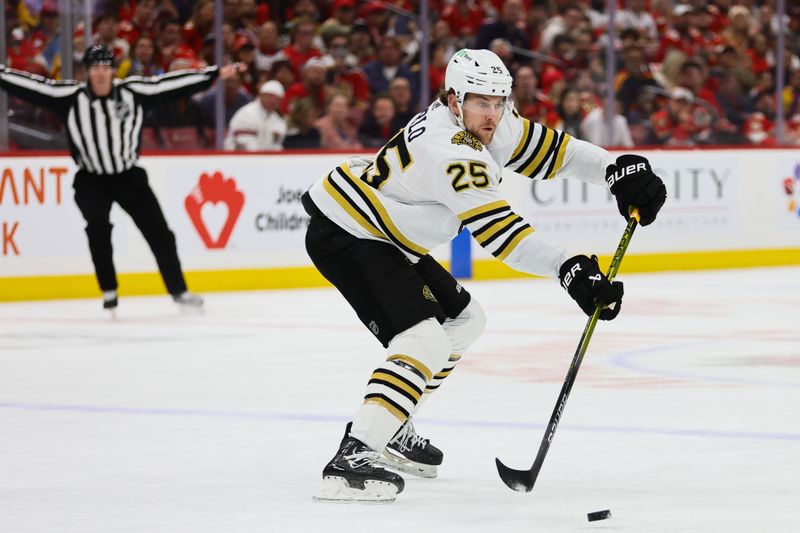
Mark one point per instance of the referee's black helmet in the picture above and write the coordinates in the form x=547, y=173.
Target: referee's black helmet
x=98, y=54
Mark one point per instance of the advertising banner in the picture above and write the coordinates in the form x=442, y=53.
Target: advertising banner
x=237, y=211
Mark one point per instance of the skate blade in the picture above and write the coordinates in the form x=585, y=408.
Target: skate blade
x=190, y=310
x=406, y=466
x=336, y=489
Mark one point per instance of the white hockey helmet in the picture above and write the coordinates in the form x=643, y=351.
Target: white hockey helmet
x=477, y=72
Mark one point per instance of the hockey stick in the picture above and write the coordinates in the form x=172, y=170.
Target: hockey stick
x=523, y=480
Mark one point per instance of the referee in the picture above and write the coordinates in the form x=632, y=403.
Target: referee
x=104, y=123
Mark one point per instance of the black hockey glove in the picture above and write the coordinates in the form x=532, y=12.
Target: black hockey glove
x=634, y=184
x=582, y=278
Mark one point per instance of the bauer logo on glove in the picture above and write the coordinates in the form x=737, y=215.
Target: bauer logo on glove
x=634, y=184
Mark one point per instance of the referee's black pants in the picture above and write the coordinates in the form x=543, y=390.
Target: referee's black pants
x=95, y=194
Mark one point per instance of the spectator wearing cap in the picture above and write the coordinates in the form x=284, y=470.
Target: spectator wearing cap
x=199, y=25
x=361, y=44
x=678, y=37
x=388, y=66
x=246, y=54
x=674, y=125
x=335, y=130
x=259, y=125
x=107, y=26
x=312, y=87
x=142, y=61
x=378, y=127
x=737, y=34
x=302, y=48
x=375, y=17
x=343, y=14
x=141, y=22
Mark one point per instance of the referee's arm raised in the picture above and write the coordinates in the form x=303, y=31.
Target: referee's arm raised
x=52, y=95
x=162, y=89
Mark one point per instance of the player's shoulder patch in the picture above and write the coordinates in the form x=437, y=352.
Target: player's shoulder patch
x=466, y=138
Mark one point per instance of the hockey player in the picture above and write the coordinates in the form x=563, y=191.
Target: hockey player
x=373, y=222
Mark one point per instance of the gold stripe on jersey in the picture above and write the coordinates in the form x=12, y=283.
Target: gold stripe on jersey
x=559, y=159
x=353, y=210
x=421, y=369
x=476, y=213
x=511, y=243
x=541, y=154
x=524, y=142
x=384, y=377
x=382, y=216
x=379, y=399
x=488, y=232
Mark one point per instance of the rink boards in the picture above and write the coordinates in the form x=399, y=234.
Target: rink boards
x=239, y=223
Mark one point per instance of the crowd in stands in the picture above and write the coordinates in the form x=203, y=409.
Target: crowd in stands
x=345, y=74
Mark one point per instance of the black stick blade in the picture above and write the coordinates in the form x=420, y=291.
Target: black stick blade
x=518, y=480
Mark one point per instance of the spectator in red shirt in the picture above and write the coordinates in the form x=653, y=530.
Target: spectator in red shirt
x=170, y=46
x=48, y=27
x=107, y=25
x=464, y=18
x=679, y=37
x=757, y=52
x=312, y=87
x=529, y=101
x=141, y=22
x=694, y=76
x=302, y=48
x=674, y=125
x=199, y=25
x=347, y=79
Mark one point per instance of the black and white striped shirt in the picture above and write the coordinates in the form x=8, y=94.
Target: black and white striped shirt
x=105, y=132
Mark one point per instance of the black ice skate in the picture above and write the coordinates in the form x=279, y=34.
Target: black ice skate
x=411, y=454
x=355, y=475
x=110, y=302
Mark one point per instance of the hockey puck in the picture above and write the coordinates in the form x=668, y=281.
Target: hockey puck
x=599, y=515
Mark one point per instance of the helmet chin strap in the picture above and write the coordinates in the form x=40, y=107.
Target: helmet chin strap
x=460, y=116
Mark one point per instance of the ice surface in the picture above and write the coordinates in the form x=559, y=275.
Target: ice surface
x=685, y=415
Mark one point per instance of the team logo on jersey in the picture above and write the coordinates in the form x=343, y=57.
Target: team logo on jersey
x=373, y=327
x=791, y=186
x=428, y=294
x=468, y=139
x=122, y=110
x=213, y=207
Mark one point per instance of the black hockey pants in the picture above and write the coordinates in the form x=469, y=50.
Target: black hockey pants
x=95, y=194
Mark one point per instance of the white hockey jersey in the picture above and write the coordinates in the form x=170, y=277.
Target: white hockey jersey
x=433, y=178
